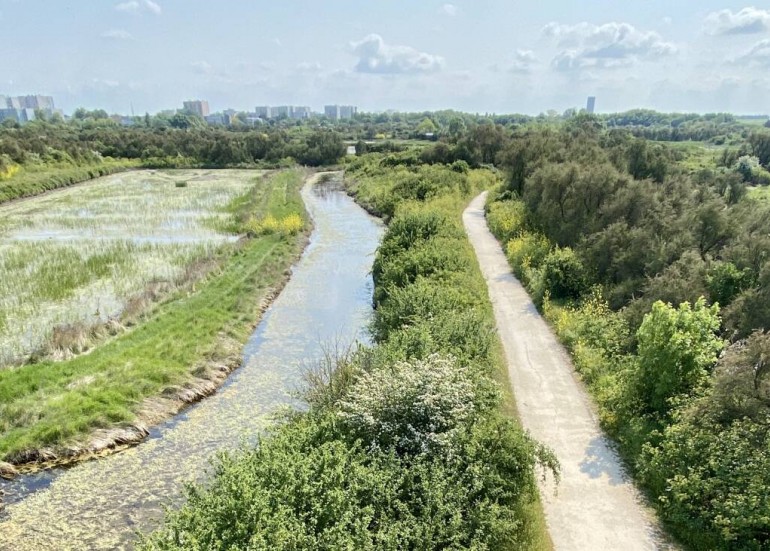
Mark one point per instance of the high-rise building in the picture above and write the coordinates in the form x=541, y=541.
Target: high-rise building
x=8, y=113
x=282, y=111
x=332, y=111
x=263, y=111
x=23, y=108
x=338, y=112
x=348, y=111
x=591, y=104
x=198, y=107
x=36, y=102
x=300, y=112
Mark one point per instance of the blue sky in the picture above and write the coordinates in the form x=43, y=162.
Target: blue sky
x=481, y=56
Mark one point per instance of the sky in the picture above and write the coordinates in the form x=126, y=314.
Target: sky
x=481, y=56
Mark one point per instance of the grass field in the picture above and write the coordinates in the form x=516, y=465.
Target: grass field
x=77, y=256
x=697, y=155
x=52, y=405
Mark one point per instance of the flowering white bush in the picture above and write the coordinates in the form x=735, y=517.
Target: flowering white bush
x=413, y=407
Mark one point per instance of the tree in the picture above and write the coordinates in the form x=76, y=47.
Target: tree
x=427, y=126
x=760, y=147
x=677, y=349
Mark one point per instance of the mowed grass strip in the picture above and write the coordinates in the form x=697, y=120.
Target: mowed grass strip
x=51, y=405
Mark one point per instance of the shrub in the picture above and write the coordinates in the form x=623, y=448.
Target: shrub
x=725, y=281
x=506, y=219
x=288, y=225
x=563, y=274
x=413, y=407
x=677, y=349
x=526, y=251
x=291, y=224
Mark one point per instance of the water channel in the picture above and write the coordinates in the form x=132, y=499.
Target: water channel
x=103, y=504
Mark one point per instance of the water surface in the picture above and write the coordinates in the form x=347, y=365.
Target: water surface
x=101, y=504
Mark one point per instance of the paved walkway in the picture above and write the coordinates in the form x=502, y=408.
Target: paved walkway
x=595, y=506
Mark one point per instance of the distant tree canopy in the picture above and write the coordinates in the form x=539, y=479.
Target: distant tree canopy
x=92, y=136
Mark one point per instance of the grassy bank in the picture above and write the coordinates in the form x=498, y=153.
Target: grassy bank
x=50, y=409
x=31, y=181
x=405, y=445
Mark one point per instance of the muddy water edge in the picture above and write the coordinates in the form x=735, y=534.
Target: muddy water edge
x=103, y=504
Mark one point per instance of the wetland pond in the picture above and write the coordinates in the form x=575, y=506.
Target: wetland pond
x=103, y=504
x=76, y=255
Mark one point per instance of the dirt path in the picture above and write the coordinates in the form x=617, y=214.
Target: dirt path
x=595, y=506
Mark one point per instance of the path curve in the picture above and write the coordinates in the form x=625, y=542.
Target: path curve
x=595, y=506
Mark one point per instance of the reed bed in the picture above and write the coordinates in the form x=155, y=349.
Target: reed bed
x=78, y=256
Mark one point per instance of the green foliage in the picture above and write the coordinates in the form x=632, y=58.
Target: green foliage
x=720, y=503
x=42, y=406
x=24, y=183
x=415, y=407
x=648, y=225
x=402, y=446
x=307, y=487
x=527, y=251
x=506, y=219
x=725, y=281
x=563, y=274
x=677, y=349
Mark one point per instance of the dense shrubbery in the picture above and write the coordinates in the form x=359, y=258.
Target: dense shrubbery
x=403, y=445
x=608, y=233
x=83, y=144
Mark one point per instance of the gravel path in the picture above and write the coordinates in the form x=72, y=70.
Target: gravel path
x=595, y=506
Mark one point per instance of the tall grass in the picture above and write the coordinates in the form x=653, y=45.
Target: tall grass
x=51, y=405
x=79, y=255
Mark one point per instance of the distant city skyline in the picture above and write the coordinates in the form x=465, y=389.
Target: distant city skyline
x=489, y=56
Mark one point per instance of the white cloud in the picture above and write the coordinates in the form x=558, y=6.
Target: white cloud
x=759, y=54
x=117, y=34
x=128, y=6
x=153, y=7
x=449, y=9
x=309, y=67
x=749, y=20
x=101, y=83
x=137, y=6
x=375, y=56
x=604, y=46
x=523, y=60
x=201, y=67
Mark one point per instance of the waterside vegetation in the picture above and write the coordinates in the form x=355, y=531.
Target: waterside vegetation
x=403, y=445
x=54, y=410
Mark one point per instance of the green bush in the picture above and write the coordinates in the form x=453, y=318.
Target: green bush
x=525, y=252
x=725, y=281
x=563, y=274
x=402, y=446
x=506, y=219
x=677, y=349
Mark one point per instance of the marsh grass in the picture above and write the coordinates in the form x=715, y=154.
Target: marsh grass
x=49, y=407
x=79, y=256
